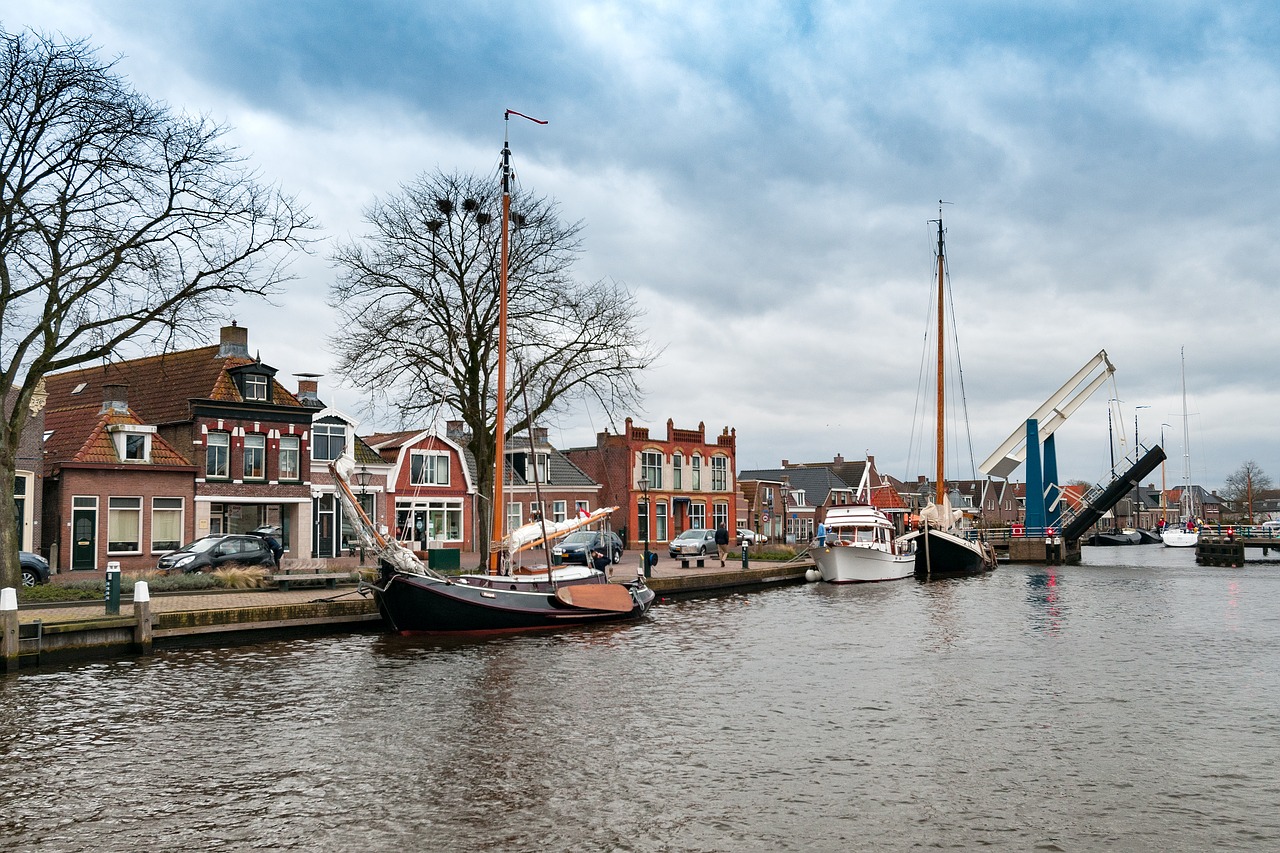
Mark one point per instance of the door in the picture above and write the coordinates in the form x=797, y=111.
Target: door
x=326, y=533
x=84, y=539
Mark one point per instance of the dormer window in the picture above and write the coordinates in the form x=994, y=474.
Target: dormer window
x=132, y=441
x=255, y=387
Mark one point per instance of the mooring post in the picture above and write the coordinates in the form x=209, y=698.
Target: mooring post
x=9, y=629
x=111, y=595
x=142, y=612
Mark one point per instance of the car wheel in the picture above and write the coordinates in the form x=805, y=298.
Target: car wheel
x=702, y=552
x=29, y=578
x=617, y=557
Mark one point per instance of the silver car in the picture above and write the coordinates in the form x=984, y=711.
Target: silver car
x=697, y=542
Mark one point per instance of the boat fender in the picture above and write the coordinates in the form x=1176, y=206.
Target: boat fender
x=812, y=575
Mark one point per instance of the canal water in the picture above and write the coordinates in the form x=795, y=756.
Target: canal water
x=1130, y=703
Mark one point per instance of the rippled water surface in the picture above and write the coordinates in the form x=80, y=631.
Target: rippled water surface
x=1129, y=703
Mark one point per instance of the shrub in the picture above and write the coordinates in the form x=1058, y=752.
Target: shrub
x=241, y=577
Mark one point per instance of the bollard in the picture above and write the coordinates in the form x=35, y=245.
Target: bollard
x=8, y=629
x=112, y=594
x=142, y=612
x=745, y=564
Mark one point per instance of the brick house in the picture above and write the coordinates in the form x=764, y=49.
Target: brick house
x=28, y=476
x=689, y=481
x=430, y=488
x=145, y=454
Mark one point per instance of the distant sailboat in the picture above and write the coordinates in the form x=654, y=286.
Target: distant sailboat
x=1184, y=534
x=941, y=548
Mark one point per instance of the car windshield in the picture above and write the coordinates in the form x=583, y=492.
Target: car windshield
x=692, y=534
x=578, y=537
x=201, y=545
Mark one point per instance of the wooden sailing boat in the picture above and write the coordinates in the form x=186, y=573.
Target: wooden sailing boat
x=942, y=548
x=414, y=598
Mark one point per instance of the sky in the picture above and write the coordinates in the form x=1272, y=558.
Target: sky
x=761, y=175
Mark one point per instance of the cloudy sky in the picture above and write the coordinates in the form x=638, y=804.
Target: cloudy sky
x=761, y=174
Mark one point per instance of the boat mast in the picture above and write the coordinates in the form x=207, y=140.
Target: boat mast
x=940, y=488
x=1187, y=503
x=498, y=508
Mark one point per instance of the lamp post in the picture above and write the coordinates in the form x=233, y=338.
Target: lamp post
x=643, y=485
x=362, y=480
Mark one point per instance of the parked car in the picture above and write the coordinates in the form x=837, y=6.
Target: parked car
x=575, y=547
x=35, y=569
x=213, y=552
x=697, y=542
x=751, y=537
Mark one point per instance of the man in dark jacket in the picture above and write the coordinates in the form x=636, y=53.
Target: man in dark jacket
x=722, y=543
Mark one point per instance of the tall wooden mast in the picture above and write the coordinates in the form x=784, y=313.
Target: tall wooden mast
x=498, y=507
x=940, y=488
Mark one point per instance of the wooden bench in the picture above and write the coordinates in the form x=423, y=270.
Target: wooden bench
x=701, y=561
x=329, y=579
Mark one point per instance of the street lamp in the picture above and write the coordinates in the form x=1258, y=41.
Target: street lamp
x=362, y=480
x=643, y=485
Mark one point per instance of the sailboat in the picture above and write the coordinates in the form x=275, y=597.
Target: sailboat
x=414, y=598
x=1184, y=534
x=941, y=548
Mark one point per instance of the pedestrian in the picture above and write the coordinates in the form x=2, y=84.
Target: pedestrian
x=722, y=542
x=600, y=561
x=277, y=550
x=822, y=534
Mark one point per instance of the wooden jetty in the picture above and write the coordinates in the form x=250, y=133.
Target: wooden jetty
x=1228, y=547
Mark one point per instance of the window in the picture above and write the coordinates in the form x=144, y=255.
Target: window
x=515, y=515
x=642, y=521
x=135, y=447
x=255, y=387
x=660, y=520
x=124, y=525
x=698, y=515
x=255, y=457
x=420, y=520
x=535, y=511
x=289, y=458
x=328, y=441
x=428, y=469
x=580, y=506
x=696, y=475
x=166, y=524
x=677, y=469
x=559, y=510
x=217, y=454
x=720, y=514
x=720, y=474
x=651, y=468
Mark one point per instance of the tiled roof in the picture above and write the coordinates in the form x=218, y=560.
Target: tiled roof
x=160, y=386
x=70, y=443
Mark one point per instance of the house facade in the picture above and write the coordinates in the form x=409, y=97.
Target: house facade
x=144, y=454
x=666, y=484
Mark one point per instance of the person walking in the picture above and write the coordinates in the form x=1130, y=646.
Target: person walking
x=722, y=542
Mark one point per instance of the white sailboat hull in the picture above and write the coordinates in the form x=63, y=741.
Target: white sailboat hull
x=1180, y=538
x=862, y=563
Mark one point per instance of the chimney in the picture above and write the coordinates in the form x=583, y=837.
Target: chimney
x=233, y=342
x=309, y=392
x=455, y=432
x=784, y=463
x=539, y=435
x=115, y=398
x=839, y=460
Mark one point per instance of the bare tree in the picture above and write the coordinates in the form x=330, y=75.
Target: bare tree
x=1242, y=484
x=118, y=220
x=419, y=297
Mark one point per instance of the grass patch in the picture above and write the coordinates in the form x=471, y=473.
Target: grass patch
x=241, y=577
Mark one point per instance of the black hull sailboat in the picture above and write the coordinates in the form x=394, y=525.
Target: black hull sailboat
x=413, y=603
x=942, y=548
x=940, y=554
x=414, y=598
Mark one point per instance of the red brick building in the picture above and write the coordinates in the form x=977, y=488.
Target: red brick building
x=689, y=481
x=143, y=455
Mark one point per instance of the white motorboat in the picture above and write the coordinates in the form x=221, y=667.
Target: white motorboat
x=861, y=545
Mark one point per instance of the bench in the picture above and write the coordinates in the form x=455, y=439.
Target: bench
x=701, y=561
x=329, y=579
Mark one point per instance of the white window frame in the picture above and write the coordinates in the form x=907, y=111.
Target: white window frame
x=119, y=508
x=217, y=447
x=651, y=468
x=290, y=446
x=719, y=473
x=677, y=470
x=322, y=446
x=720, y=514
x=426, y=468
x=697, y=515
x=255, y=447
x=559, y=510
x=695, y=482
x=255, y=387
x=158, y=511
